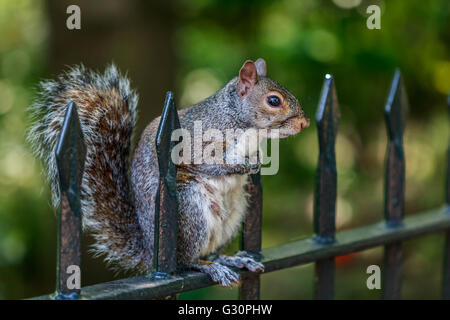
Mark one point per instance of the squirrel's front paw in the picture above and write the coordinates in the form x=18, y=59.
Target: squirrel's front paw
x=241, y=260
x=218, y=273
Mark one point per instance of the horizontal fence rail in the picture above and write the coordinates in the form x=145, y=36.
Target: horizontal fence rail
x=276, y=258
x=165, y=282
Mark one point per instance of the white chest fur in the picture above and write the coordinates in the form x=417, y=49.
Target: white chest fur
x=224, y=204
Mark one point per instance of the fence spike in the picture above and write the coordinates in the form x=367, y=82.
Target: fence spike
x=327, y=119
x=70, y=157
x=166, y=206
x=396, y=110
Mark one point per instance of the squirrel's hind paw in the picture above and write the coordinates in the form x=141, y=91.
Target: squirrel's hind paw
x=218, y=273
x=241, y=260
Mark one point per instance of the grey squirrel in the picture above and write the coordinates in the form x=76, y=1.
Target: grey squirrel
x=118, y=201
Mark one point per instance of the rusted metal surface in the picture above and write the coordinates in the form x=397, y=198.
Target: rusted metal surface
x=251, y=236
x=396, y=110
x=327, y=119
x=70, y=157
x=276, y=258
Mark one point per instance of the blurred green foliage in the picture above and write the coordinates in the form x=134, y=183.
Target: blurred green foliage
x=301, y=41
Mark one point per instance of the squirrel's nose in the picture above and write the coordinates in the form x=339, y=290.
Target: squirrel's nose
x=299, y=123
x=304, y=123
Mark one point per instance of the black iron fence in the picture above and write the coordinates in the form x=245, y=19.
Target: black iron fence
x=166, y=282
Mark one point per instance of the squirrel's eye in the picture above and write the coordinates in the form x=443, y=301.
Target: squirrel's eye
x=274, y=101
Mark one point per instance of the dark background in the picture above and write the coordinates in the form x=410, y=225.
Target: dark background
x=193, y=47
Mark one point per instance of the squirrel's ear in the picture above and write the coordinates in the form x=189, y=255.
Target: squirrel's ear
x=248, y=77
x=261, y=67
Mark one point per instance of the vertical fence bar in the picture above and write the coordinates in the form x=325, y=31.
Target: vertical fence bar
x=327, y=119
x=70, y=157
x=251, y=236
x=446, y=280
x=395, y=115
x=166, y=206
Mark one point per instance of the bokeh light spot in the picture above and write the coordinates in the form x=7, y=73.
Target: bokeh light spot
x=323, y=46
x=347, y=4
x=198, y=85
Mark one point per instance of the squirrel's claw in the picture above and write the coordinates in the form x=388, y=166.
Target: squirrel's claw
x=218, y=273
x=254, y=168
x=241, y=260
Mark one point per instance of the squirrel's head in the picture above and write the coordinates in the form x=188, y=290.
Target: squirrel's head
x=270, y=105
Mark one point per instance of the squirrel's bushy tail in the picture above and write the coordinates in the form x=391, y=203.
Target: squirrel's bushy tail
x=107, y=110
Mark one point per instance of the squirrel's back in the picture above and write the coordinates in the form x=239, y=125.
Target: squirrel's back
x=107, y=110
